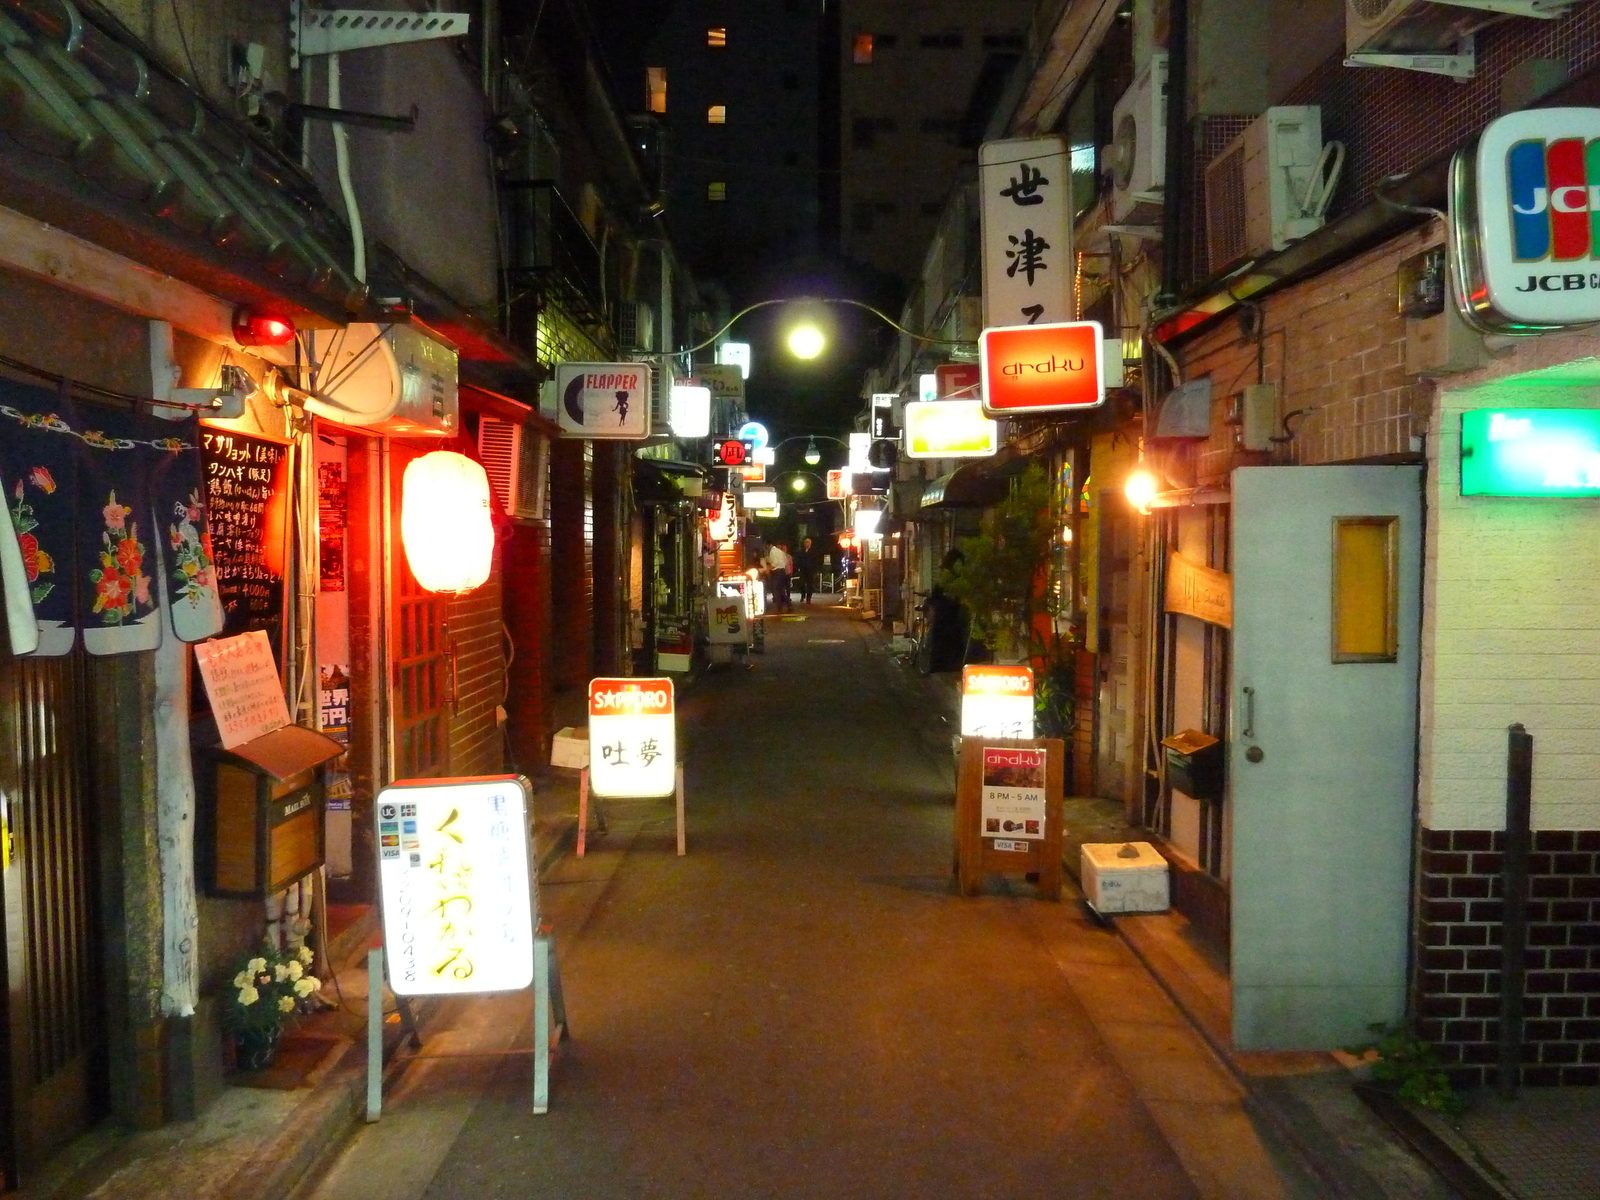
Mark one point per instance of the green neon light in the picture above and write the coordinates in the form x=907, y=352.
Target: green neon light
x=1530, y=452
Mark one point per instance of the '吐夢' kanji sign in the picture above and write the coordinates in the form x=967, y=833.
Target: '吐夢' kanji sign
x=1027, y=234
x=1042, y=368
x=632, y=738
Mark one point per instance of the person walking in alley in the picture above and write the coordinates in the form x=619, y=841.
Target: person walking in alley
x=807, y=561
x=778, y=566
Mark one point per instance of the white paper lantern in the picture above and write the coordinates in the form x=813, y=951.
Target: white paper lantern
x=445, y=522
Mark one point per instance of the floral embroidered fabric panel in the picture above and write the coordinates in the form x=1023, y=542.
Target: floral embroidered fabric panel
x=87, y=489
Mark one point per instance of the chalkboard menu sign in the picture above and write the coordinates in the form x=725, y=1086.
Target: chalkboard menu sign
x=247, y=501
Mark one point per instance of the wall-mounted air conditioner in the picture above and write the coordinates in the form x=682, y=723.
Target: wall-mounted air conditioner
x=1269, y=186
x=515, y=461
x=392, y=379
x=636, y=325
x=1429, y=35
x=1137, y=155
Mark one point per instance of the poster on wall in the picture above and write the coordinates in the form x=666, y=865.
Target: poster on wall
x=247, y=482
x=332, y=517
x=242, y=686
x=333, y=718
x=1013, y=799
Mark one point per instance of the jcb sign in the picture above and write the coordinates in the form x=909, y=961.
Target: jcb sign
x=1523, y=213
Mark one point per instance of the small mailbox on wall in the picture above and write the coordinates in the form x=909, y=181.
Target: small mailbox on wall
x=261, y=813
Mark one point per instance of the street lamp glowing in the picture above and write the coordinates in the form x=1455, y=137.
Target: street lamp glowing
x=806, y=341
x=1141, y=487
x=813, y=455
x=799, y=483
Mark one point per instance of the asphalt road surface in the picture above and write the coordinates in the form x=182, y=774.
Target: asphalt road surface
x=802, y=1007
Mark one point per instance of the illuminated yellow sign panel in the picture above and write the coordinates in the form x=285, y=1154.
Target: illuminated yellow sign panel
x=949, y=429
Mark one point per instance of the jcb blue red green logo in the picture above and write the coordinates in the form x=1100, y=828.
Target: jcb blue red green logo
x=1536, y=239
x=1555, y=199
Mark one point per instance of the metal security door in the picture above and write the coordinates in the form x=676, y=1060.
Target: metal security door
x=1326, y=578
x=57, y=1085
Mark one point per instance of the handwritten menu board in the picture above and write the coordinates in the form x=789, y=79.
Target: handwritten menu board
x=247, y=481
x=242, y=684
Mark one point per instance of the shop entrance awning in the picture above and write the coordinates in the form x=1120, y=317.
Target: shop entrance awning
x=968, y=486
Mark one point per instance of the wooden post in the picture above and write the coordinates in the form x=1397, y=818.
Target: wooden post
x=678, y=795
x=374, y=1034
x=583, y=808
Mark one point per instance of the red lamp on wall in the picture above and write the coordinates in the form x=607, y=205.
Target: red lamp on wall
x=446, y=525
x=259, y=329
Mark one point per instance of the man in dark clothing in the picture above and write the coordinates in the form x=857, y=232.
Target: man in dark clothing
x=806, y=564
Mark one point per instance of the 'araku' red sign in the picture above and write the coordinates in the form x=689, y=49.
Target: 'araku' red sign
x=1042, y=368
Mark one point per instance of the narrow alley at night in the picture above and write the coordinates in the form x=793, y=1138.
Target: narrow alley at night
x=828, y=598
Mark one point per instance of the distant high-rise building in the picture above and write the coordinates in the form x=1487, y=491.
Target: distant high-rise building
x=918, y=80
x=733, y=88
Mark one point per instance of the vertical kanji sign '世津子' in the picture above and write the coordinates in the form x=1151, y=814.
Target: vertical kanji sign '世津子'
x=1026, y=189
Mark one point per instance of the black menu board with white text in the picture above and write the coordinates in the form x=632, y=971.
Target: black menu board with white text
x=247, y=480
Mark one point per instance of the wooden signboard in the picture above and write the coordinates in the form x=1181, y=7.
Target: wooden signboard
x=1199, y=591
x=247, y=480
x=1008, y=811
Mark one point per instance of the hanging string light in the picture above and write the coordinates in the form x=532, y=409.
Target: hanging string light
x=813, y=455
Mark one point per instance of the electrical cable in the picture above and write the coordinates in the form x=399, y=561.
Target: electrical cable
x=746, y=311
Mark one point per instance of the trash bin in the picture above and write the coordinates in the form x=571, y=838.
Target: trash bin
x=1194, y=764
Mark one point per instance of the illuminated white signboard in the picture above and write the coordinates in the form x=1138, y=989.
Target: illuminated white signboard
x=735, y=354
x=868, y=523
x=760, y=498
x=949, y=429
x=690, y=411
x=1027, y=231
x=1525, y=236
x=860, y=447
x=996, y=701
x=453, y=872
x=603, y=400
x=632, y=738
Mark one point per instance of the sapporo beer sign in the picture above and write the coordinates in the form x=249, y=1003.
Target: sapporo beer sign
x=996, y=701
x=1529, y=200
x=1042, y=368
x=453, y=870
x=632, y=737
x=603, y=400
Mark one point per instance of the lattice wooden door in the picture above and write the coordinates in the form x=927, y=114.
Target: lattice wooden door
x=57, y=1084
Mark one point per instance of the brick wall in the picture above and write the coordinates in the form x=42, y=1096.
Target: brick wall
x=1335, y=348
x=1458, y=977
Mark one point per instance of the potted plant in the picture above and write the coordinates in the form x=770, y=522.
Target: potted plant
x=998, y=571
x=269, y=989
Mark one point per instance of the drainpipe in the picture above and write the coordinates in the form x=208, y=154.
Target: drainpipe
x=341, y=158
x=1176, y=159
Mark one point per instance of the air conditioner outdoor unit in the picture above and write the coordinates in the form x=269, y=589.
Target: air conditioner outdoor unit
x=1269, y=186
x=1138, y=150
x=636, y=325
x=391, y=379
x=514, y=460
x=1429, y=35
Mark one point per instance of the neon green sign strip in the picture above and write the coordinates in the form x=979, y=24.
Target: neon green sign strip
x=1530, y=452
